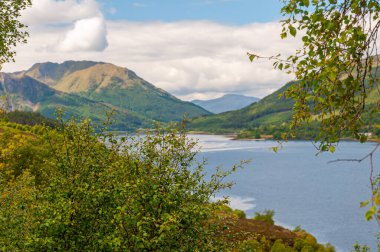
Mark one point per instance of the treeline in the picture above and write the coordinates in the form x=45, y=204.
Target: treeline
x=303, y=132
x=26, y=118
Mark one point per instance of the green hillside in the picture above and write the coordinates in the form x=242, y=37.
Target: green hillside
x=271, y=110
x=271, y=116
x=117, y=86
x=24, y=93
x=91, y=89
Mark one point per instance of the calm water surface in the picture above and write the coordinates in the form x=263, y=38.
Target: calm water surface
x=300, y=186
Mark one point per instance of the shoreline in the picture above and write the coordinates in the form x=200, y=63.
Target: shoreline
x=233, y=136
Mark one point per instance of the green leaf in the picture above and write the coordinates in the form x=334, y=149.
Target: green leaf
x=332, y=148
x=252, y=57
x=292, y=31
x=369, y=214
x=364, y=203
x=363, y=138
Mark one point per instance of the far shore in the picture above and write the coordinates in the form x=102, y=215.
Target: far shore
x=234, y=136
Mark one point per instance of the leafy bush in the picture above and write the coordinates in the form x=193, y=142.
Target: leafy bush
x=266, y=215
x=86, y=191
x=240, y=213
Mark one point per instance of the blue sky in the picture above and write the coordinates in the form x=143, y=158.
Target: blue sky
x=234, y=12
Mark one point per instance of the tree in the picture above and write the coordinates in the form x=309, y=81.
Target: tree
x=336, y=71
x=11, y=29
x=73, y=189
x=336, y=68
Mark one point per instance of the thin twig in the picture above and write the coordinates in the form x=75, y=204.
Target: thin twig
x=371, y=177
x=356, y=160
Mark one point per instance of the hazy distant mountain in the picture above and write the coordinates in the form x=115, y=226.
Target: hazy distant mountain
x=89, y=89
x=225, y=103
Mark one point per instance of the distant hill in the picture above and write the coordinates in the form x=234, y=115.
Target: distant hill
x=225, y=103
x=269, y=110
x=272, y=111
x=90, y=89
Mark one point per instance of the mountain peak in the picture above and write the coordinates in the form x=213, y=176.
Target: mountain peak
x=96, y=77
x=49, y=72
x=225, y=103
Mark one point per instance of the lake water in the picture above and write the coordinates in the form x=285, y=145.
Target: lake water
x=300, y=186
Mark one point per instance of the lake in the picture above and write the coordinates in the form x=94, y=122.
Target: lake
x=301, y=187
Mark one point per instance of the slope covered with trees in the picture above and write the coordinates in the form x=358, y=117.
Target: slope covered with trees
x=273, y=115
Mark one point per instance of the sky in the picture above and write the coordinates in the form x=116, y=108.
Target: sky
x=194, y=49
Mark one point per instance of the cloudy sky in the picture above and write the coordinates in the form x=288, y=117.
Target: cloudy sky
x=195, y=49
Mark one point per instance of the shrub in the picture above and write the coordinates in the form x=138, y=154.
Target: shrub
x=240, y=213
x=266, y=215
x=96, y=192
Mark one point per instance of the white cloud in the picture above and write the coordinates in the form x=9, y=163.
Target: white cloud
x=87, y=35
x=201, y=57
x=80, y=25
x=189, y=59
x=139, y=5
x=57, y=12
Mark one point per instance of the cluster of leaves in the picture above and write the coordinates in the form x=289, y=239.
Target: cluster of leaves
x=74, y=189
x=338, y=77
x=11, y=29
x=336, y=71
x=266, y=215
x=336, y=66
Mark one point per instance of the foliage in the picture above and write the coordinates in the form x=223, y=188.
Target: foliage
x=11, y=29
x=266, y=215
x=336, y=67
x=360, y=248
x=79, y=190
x=26, y=118
x=336, y=71
x=240, y=213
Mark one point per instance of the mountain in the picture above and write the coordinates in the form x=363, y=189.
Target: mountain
x=270, y=110
x=117, y=86
x=27, y=94
x=225, y=103
x=268, y=114
x=90, y=89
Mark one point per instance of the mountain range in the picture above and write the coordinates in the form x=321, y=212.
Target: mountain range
x=225, y=103
x=91, y=89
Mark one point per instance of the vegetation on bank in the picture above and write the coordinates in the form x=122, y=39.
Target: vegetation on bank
x=26, y=118
x=272, y=116
x=70, y=188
